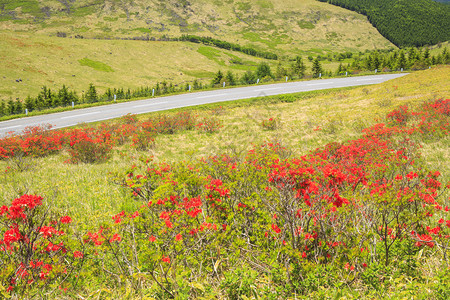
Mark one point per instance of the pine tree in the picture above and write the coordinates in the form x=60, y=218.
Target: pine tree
x=2, y=108
x=401, y=61
x=63, y=95
x=445, y=56
x=248, y=77
x=316, y=68
x=18, y=107
x=91, y=95
x=281, y=71
x=29, y=103
x=263, y=71
x=298, y=67
x=218, y=78
x=376, y=61
x=340, y=70
x=11, y=107
x=426, y=53
x=230, y=78
x=109, y=95
x=39, y=102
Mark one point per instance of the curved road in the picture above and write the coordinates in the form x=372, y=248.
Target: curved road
x=110, y=111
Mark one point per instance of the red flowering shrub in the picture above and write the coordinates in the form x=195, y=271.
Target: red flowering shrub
x=89, y=145
x=209, y=125
x=35, y=248
x=35, y=141
x=399, y=116
x=143, y=139
x=169, y=124
x=270, y=124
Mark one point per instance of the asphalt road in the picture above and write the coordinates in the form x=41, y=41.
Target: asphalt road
x=110, y=111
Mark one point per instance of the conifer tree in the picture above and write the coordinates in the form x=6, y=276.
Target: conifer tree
x=401, y=61
x=281, y=71
x=29, y=103
x=263, y=70
x=2, y=108
x=445, y=56
x=230, y=78
x=426, y=53
x=298, y=67
x=91, y=95
x=316, y=68
x=218, y=77
x=63, y=95
x=11, y=107
x=18, y=107
x=340, y=70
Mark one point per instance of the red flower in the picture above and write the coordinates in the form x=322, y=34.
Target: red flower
x=178, y=237
x=152, y=238
x=77, y=254
x=115, y=237
x=166, y=259
x=276, y=228
x=65, y=219
x=169, y=224
x=47, y=231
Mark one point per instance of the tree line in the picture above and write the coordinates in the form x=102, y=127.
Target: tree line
x=227, y=45
x=404, y=23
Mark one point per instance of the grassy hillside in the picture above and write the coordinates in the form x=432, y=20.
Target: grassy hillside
x=51, y=61
x=282, y=26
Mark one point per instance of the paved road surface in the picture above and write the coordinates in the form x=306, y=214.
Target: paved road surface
x=105, y=112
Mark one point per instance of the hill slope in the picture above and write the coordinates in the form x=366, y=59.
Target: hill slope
x=281, y=26
x=405, y=23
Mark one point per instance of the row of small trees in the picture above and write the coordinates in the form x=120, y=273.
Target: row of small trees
x=296, y=69
x=47, y=99
x=227, y=45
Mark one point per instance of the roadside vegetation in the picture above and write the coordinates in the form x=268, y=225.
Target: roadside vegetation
x=322, y=194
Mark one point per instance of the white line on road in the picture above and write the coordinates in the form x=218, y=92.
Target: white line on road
x=322, y=83
x=86, y=114
x=150, y=104
x=209, y=96
x=368, y=79
x=260, y=90
x=11, y=127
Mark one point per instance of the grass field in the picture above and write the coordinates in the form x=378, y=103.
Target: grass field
x=51, y=61
x=307, y=121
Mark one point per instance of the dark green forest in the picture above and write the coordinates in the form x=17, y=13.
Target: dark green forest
x=404, y=22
